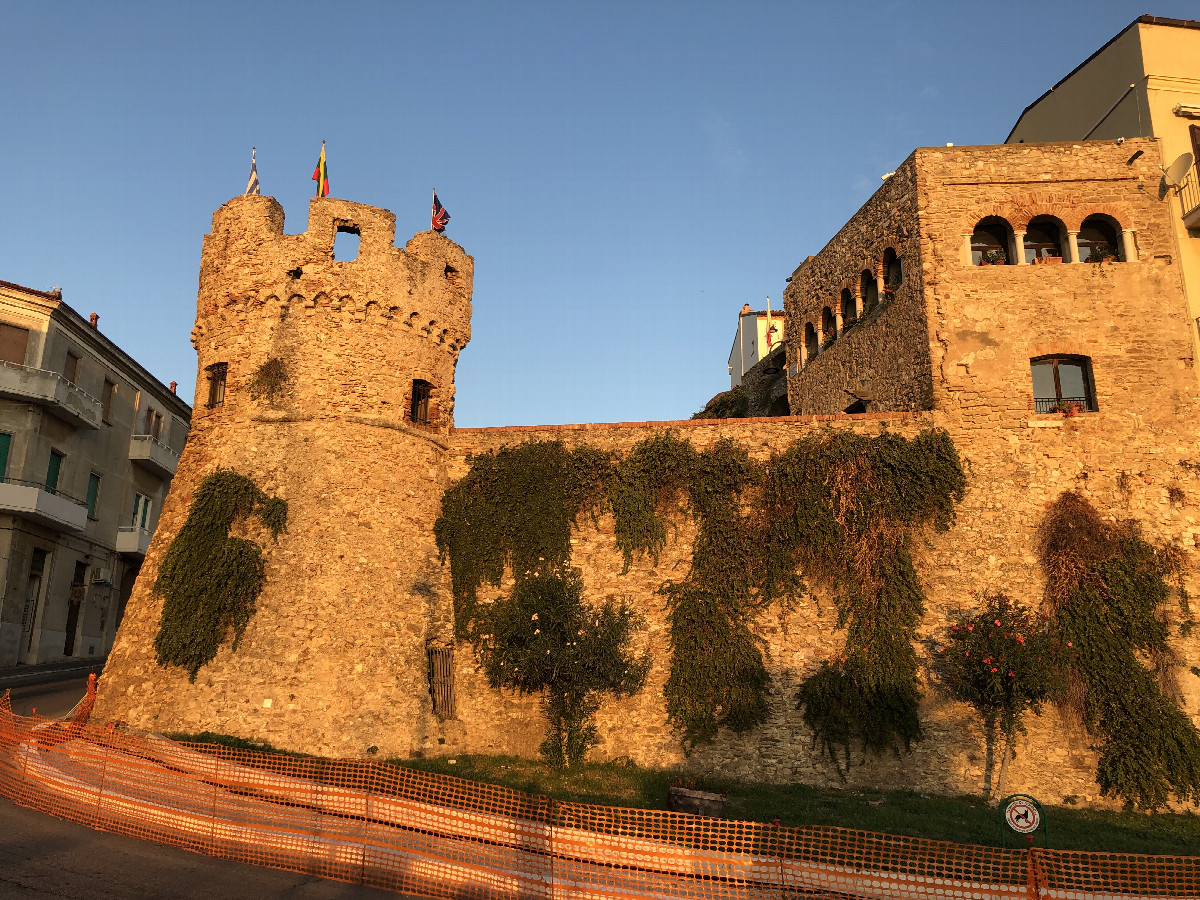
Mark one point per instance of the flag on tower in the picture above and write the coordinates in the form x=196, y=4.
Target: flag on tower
x=321, y=174
x=252, y=184
x=440, y=216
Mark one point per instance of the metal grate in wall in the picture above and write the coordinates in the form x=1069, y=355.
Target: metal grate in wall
x=441, y=681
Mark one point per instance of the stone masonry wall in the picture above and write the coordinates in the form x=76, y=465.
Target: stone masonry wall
x=336, y=649
x=334, y=660
x=1014, y=475
x=883, y=359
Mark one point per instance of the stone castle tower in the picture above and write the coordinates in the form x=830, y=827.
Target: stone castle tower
x=353, y=436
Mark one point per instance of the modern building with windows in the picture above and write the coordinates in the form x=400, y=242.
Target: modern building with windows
x=89, y=442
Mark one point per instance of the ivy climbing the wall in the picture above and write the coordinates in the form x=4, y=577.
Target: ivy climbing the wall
x=843, y=508
x=718, y=677
x=515, y=509
x=210, y=581
x=840, y=507
x=1107, y=589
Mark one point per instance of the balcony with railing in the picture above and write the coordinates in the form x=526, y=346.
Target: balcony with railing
x=1189, y=198
x=50, y=390
x=133, y=541
x=32, y=500
x=153, y=455
x=1063, y=405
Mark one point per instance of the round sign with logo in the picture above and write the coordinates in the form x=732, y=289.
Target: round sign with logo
x=1023, y=814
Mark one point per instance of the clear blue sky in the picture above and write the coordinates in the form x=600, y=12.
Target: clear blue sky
x=626, y=175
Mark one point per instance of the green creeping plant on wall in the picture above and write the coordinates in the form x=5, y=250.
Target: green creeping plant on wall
x=1106, y=588
x=840, y=507
x=209, y=581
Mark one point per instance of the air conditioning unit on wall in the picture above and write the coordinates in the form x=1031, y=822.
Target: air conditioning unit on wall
x=102, y=576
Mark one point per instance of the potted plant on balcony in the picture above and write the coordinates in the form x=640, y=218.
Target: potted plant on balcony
x=829, y=338
x=993, y=258
x=1100, y=253
x=1047, y=260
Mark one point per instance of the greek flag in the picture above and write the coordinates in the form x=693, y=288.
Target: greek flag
x=252, y=184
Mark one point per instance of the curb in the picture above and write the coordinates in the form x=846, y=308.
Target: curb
x=25, y=676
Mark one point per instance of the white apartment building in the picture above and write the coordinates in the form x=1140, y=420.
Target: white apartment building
x=89, y=442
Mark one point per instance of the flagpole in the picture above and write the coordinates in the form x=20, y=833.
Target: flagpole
x=768, y=323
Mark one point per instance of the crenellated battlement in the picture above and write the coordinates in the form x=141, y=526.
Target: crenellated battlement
x=355, y=334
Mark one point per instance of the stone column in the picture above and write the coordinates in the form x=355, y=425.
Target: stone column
x=1128, y=246
x=879, y=283
x=965, y=252
x=838, y=324
x=1073, y=246
x=802, y=356
x=1019, y=247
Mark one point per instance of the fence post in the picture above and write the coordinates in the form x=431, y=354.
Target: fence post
x=212, y=832
x=551, y=850
x=362, y=872
x=778, y=845
x=1033, y=888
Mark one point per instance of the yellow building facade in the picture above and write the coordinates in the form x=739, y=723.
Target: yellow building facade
x=1145, y=82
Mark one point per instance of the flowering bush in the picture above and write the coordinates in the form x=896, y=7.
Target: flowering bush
x=543, y=640
x=1003, y=662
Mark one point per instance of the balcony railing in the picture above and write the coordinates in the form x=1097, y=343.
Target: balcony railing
x=1189, y=198
x=51, y=390
x=133, y=540
x=153, y=455
x=1054, y=404
x=32, y=500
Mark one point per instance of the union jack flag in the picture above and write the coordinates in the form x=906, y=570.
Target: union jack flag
x=440, y=216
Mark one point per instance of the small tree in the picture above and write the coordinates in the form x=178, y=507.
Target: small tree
x=543, y=639
x=1003, y=662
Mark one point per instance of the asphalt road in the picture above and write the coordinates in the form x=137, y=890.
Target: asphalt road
x=44, y=858
x=54, y=699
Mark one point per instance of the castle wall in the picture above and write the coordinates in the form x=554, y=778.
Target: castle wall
x=1014, y=473
x=334, y=660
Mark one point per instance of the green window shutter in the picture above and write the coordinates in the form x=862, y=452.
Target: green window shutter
x=92, y=493
x=52, y=471
x=5, y=441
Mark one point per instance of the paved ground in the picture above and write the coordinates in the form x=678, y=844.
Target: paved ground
x=55, y=699
x=44, y=858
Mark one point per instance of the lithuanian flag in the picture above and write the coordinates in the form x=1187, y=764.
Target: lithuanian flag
x=321, y=175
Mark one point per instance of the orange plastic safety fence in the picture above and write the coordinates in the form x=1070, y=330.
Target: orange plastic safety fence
x=391, y=827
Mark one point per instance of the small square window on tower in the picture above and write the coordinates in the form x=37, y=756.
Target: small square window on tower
x=418, y=407
x=217, y=373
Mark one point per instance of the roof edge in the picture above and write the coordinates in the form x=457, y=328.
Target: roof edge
x=1140, y=20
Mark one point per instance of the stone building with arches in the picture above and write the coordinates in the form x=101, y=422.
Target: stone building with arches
x=1011, y=282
